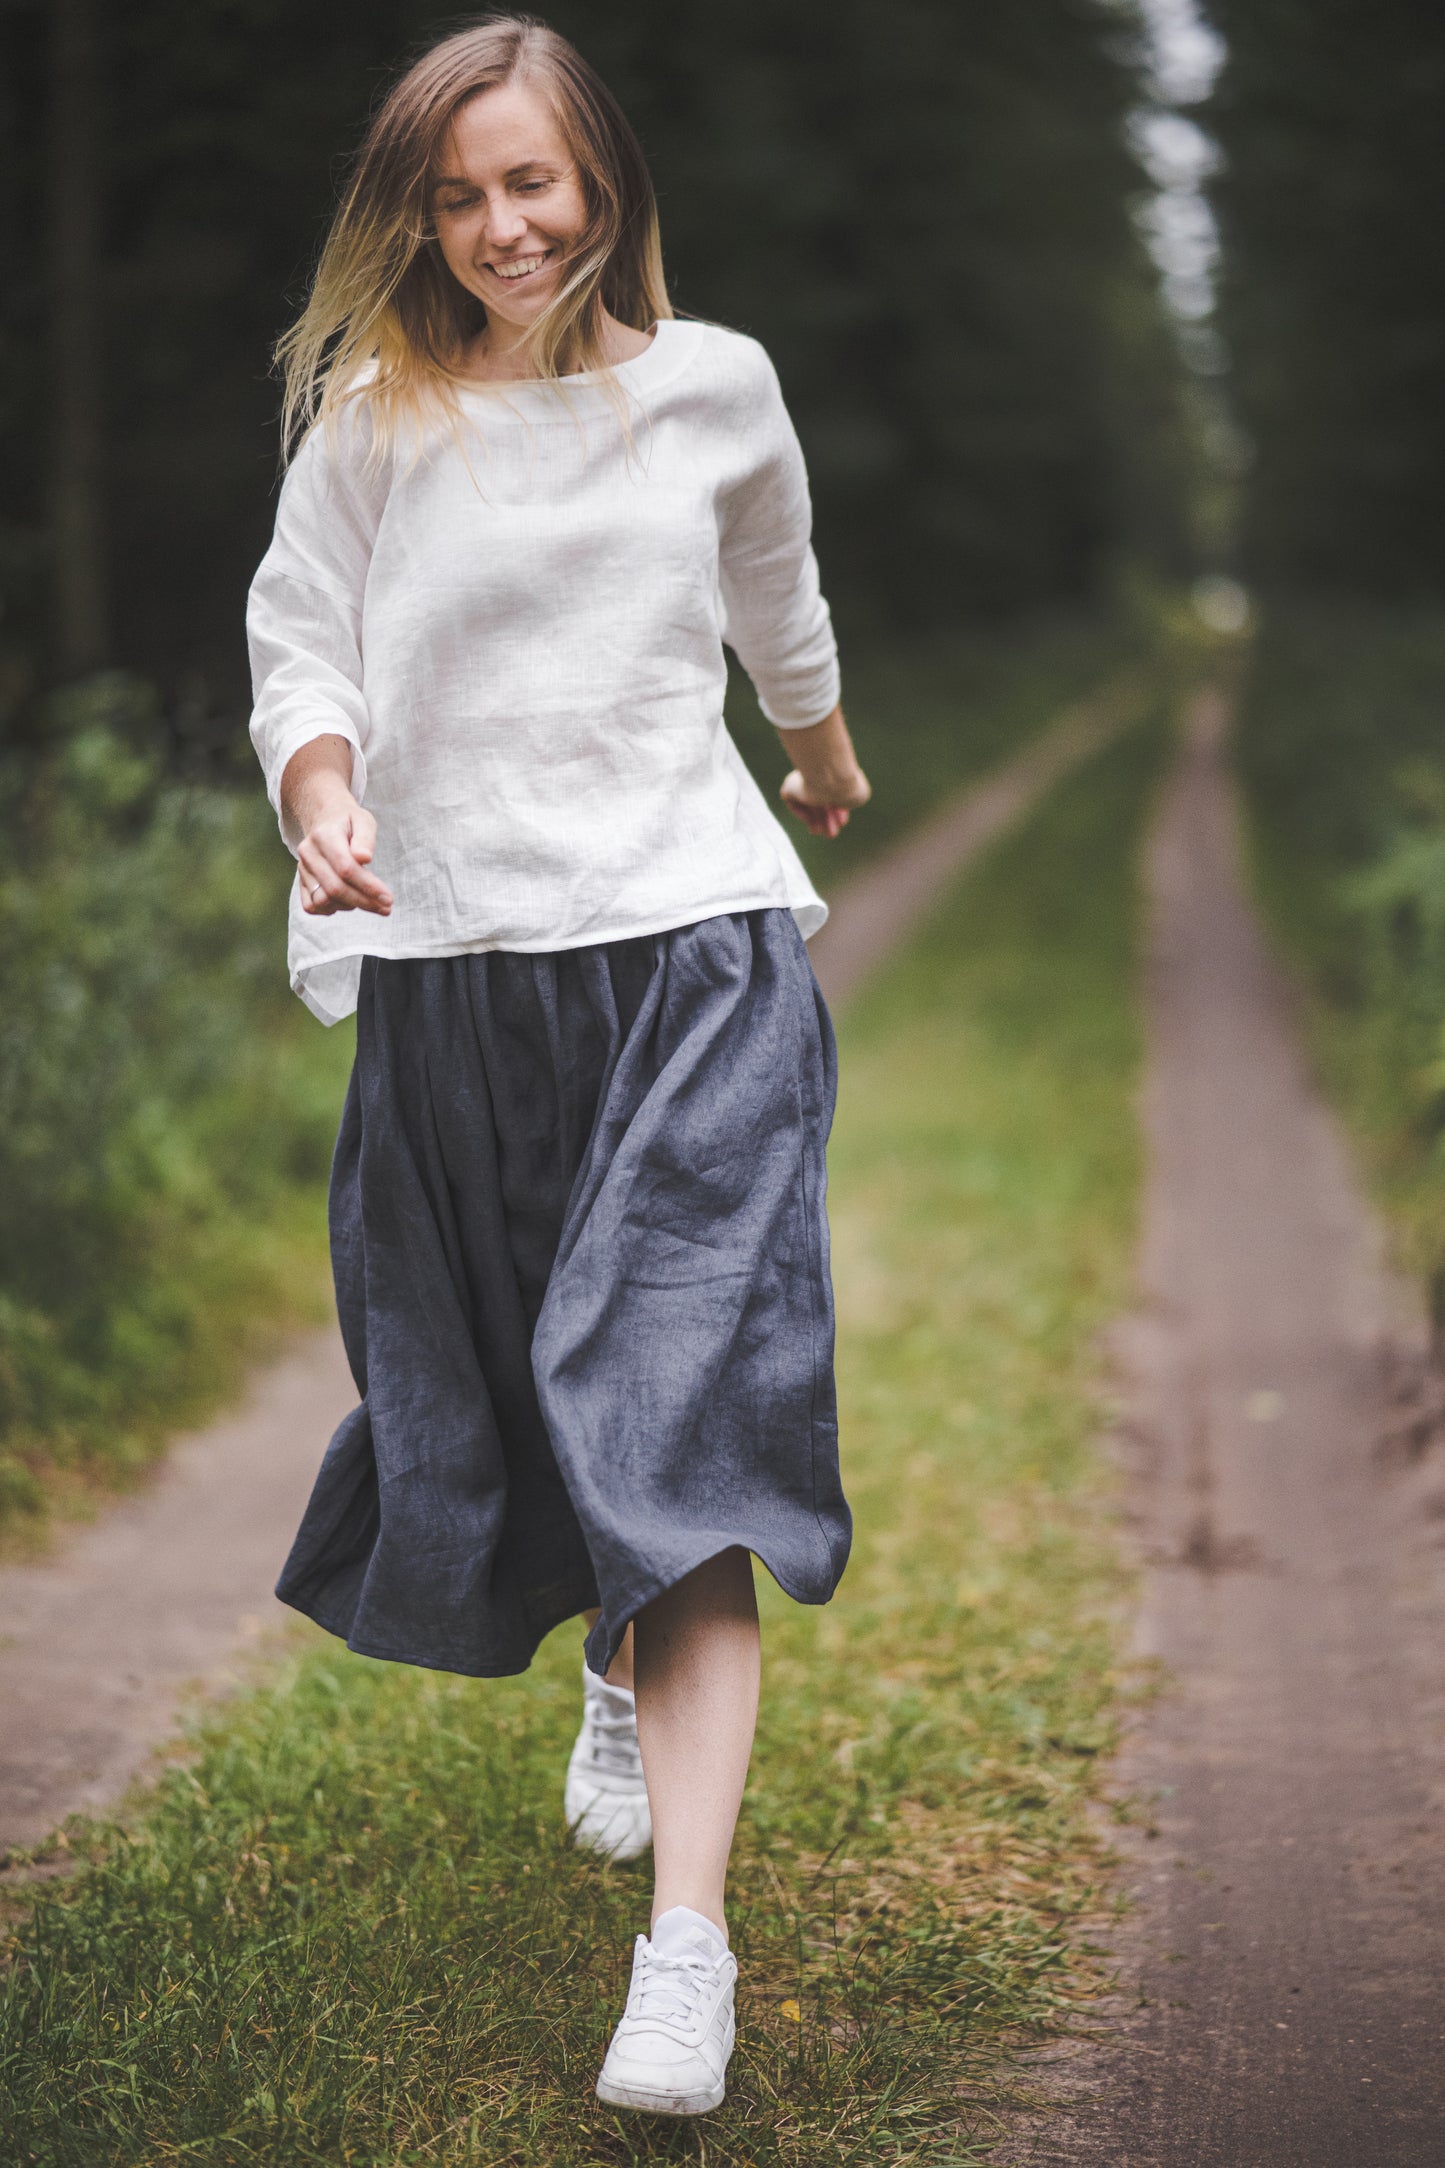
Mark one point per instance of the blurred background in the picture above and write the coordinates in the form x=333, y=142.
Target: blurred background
x=1108, y=328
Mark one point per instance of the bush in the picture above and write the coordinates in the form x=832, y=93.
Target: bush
x=163, y=1100
x=1344, y=766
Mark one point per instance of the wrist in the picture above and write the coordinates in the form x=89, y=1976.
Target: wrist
x=834, y=783
x=322, y=796
x=825, y=782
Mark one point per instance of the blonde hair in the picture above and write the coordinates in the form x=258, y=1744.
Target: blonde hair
x=383, y=294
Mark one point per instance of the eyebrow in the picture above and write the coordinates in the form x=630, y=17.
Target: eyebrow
x=528, y=165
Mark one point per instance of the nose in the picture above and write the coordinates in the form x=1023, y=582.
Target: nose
x=505, y=223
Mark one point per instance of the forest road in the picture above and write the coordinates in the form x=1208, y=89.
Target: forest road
x=1282, y=1972
x=170, y=1590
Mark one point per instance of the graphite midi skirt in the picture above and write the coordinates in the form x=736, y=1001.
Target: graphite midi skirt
x=581, y=1260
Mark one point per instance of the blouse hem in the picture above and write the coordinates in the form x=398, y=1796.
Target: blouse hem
x=810, y=912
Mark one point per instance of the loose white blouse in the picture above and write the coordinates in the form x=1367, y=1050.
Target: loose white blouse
x=524, y=648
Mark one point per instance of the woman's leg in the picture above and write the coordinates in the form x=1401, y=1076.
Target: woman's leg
x=696, y=1663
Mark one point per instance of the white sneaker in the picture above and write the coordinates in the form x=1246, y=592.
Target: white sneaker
x=605, y=1801
x=670, y=2052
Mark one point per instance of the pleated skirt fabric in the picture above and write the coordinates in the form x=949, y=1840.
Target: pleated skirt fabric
x=581, y=1261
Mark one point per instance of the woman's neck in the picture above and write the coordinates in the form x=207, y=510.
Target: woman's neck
x=500, y=354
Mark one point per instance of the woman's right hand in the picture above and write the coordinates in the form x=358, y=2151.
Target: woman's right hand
x=333, y=835
x=332, y=861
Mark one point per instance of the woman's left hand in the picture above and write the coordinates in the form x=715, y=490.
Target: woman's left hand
x=827, y=784
x=823, y=813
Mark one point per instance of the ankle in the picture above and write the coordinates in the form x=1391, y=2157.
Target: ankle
x=709, y=1909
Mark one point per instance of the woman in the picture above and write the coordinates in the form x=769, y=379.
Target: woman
x=577, y=1200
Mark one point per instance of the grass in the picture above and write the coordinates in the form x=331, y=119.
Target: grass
x=931, y=715
x=1344, y=774
x=347, y=1930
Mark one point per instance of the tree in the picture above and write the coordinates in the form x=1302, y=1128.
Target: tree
x=924, y=214
x=76, y=521
x=1334, y=288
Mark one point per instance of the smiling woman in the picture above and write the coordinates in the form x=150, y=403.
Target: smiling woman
x=577, y=1199
x=499, y=147
x=512, y=219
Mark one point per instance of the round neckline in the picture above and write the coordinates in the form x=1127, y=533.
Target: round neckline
x=668, y=350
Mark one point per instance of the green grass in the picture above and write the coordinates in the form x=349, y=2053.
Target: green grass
x=1343, y=762
x=349, y=1930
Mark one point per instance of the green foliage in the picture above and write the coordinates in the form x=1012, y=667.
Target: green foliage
x=351, y=1930
x=1343, y=763
x=157, y=1122
x=1334, y=292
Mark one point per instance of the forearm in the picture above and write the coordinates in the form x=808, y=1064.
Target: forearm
x=316, y=785
x=823, y=756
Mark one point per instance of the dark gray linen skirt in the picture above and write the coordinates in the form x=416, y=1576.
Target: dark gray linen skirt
x=581, y=1261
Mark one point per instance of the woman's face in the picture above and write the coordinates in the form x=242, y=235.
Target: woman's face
x=507, y=202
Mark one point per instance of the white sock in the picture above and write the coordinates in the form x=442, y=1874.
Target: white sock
x=603, y=1687
x=680, y=1928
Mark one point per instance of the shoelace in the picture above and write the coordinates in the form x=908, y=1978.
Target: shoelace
x=667, y=1988
x=613, y=1737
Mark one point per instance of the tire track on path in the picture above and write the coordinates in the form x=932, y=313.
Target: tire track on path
x=1289, y=1938
x=168, y=1592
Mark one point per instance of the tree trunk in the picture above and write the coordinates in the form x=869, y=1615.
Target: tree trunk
x=81, y=631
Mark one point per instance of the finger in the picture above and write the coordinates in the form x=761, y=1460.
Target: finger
x=363, y=838
x=322, y=894
x=339, y=856
x=329, y=860
x=324, y=889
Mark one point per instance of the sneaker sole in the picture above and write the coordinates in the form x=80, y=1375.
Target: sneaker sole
x=650, y=2103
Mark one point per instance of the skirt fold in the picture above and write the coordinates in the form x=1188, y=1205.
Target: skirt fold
x=581, y=1258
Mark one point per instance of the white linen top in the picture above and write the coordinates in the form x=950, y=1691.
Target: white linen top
x=527, y=659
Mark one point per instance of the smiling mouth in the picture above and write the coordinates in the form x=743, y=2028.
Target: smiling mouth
x=520, y=267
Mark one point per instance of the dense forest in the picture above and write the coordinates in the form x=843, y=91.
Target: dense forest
x=925, y=215
x=1333, y=304
x=1329, y=201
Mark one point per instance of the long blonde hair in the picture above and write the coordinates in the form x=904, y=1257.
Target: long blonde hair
x=383, y=294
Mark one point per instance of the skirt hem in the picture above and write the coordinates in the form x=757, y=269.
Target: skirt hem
x=359, y=1645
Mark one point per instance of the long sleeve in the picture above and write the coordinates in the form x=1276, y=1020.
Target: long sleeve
x=512, y=619
x=303, y=611
x=776, y=620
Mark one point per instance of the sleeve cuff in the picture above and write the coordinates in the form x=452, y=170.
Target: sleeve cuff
x=808, y=708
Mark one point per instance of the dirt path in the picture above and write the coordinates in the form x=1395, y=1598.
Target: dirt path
x=167, y=1590
x=1289, y=1942
x=880, y=906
